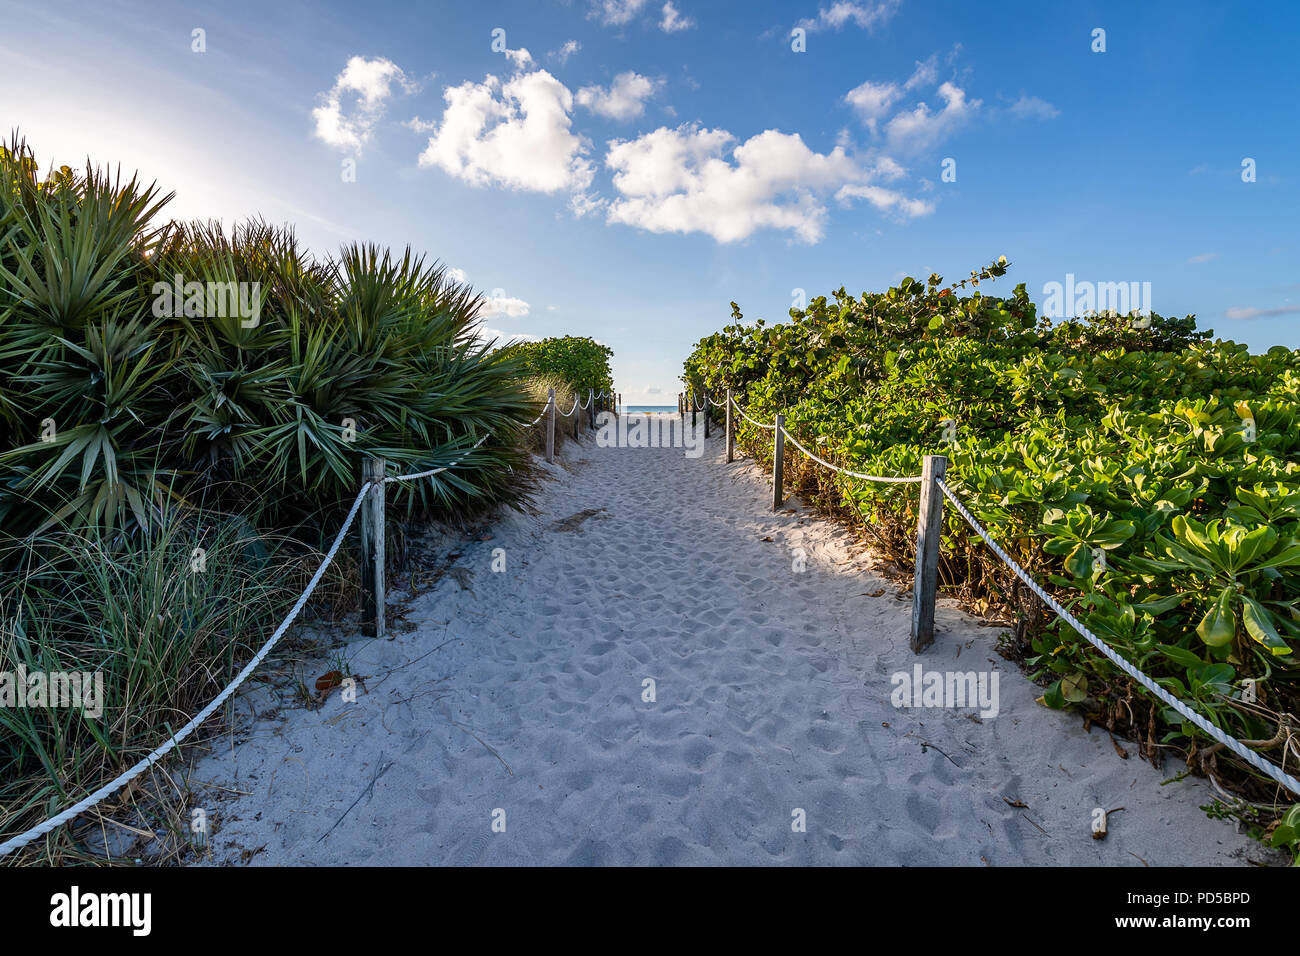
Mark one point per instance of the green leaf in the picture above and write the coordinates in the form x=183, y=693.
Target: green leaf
x=1219, y=625
x=1259, y=624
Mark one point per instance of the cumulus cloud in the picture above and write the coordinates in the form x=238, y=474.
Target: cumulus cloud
x=517, y=133
x=521, y=58
x=355, y=103
x=921, y=127
x=865, y=15
x=673, y=21
x=458, y=276
x=498, y=305
x=624, y=100
x=1031, y=107
x=680, y=180
x=873, y=101
x=1203, y=257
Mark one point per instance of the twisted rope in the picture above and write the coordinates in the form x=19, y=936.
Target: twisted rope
x=1246, y=754
x=748, y=419
x=121, y=780
x=844, y=471
x=434, y=471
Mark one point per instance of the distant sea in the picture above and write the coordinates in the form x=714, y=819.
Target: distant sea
x=638, y=409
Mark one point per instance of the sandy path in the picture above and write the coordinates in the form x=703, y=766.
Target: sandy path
x=773, y=695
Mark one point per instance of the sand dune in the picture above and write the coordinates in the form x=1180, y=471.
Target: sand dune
x=772, y=697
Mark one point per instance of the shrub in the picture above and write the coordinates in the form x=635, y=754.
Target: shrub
x=580, y=362
x=1146, y=474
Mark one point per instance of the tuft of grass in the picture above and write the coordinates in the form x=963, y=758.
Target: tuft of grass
x=166, y=619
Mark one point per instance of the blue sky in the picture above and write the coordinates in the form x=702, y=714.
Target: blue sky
x=625, y=169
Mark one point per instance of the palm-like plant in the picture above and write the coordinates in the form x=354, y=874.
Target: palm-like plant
x=112, y=400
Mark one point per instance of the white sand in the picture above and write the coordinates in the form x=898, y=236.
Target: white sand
x=773, y=692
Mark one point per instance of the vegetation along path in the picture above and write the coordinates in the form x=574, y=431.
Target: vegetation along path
x=517, y=723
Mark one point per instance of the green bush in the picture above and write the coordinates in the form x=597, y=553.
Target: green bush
x=581, y=362
x=115, y=395
x=1146, y=474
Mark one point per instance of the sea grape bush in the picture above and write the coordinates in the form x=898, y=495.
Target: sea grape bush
x=1143, y=471
x=579, y=361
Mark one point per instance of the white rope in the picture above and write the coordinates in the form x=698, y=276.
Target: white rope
x=590, y=398
x=845, y=471
x=434, y=471
x=539, y=417
x=108, y=789
x=572, y=410
x=1236, y=746
x=748, y=419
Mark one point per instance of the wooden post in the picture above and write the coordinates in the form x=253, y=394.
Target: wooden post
x=618, y=402
x=731, y=435
x=690, y=396
x=778, y=452
x=591, y=408
x=708, y=413
x=550, y=427
x=929, y=529
x=681, y=409
x=372, y=550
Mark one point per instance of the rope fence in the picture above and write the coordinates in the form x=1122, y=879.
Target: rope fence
x=934, y=488
x=369, y=503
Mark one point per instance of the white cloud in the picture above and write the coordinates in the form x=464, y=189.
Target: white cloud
x=615, y=13
x=1240, y=312
x=865, y=15
x=678, y=180
x=520, y=58
x=1203, y=257
x=584, y=204
x=624, y=100
x=498, y=305
x=1031, y=107
x=921, y=128
x=568, y=49
x=673, y=21
x=886, y=200
x=872, y=101
x=458, y=276
x=925, y=74
x=516, y=134
x=654, y=390
x=367, y=83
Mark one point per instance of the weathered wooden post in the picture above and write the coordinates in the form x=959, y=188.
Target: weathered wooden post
x=731, y=435
x=591, y=408
x=778, y=452
x=708, y=413
x=577, y=416
x=618, y=402
x=550, y=425
x=681, y=409
x=929, y=530
x=691, y=398
x=372, y=550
